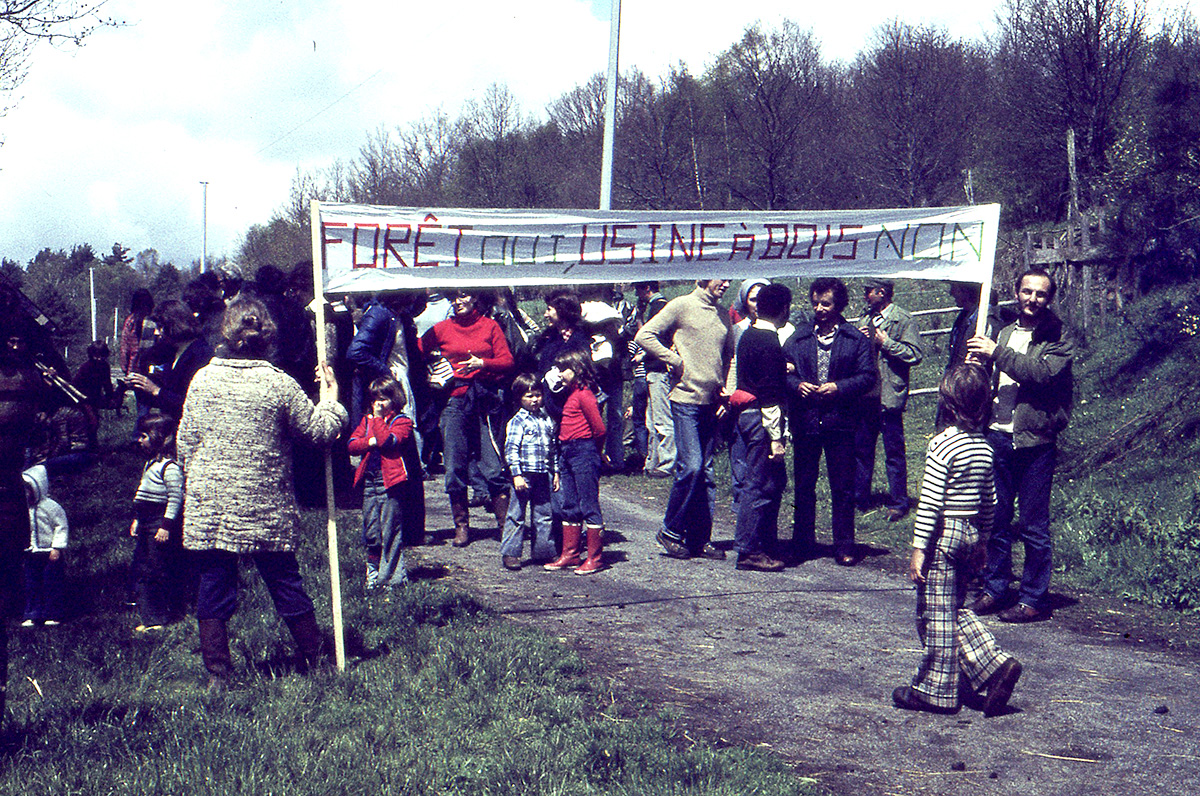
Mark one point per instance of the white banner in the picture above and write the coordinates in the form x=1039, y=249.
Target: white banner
x=371, y=248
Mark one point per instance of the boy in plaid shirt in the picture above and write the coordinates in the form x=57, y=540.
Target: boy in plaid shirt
x=954, y=518
x=530, y=456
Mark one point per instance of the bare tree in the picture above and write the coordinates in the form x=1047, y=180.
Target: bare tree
x=915, y=93
x=770, y=85
x=26, y=23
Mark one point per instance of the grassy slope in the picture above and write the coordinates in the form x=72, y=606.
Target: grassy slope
x=440, y=697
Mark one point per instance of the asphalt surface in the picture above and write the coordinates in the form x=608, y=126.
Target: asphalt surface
x=803, y=663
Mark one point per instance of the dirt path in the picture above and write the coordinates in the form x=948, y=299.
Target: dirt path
x=804, y=662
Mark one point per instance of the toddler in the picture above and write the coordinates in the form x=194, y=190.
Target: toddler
x=45, y=561
x=529, y=454
x=157, y=525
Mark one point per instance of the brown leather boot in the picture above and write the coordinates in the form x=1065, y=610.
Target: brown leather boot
x=214, y=650
x=309, y=639
x=462, y=521
x=570, y=549
x=595, y=551
x=500, y=509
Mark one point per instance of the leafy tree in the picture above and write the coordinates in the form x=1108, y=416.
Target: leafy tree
x=12, y=271
x=118, y=256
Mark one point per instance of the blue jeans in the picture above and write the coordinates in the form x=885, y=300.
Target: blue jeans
x=639, y=402
x=889, y=422
x=579, y=482
x=761, y=489
x=536, y=500
x=838, y=446
x=384, y=514
x=690, y=506
x=218, y=574
x=45, y=587
x=1025, y=475
x=471, y=437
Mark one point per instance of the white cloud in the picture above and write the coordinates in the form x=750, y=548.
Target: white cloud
x=109, y=143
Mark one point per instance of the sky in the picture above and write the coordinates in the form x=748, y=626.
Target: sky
x=111, y=142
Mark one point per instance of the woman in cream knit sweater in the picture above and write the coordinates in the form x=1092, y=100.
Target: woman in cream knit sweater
x=239, y=422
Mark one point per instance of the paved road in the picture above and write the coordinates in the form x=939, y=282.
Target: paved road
x=803, y=663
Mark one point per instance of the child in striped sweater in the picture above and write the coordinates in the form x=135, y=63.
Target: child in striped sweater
x=158, y=525
x=953, y=520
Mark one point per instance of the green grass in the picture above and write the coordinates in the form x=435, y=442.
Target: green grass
x=439, y=696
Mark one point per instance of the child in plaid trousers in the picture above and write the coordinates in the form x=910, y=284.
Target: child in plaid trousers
x=953, y=520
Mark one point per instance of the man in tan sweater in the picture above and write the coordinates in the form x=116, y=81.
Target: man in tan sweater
x=691, y=335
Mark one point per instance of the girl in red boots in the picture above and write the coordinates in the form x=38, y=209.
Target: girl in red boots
x=580, y=437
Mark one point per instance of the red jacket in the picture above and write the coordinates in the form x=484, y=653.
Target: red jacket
x=391, y=433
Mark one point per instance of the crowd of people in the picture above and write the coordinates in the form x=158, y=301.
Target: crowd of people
x=523, y=420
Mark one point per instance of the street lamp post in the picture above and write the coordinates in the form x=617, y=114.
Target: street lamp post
x=204, y=252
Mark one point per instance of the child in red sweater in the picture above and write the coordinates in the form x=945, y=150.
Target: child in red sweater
x=580, y=437
x=385, y=441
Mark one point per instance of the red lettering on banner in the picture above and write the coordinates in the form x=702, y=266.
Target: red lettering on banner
x=418, y=244
x=824, y=243
x=774, y=244
x=853, y=243
x=327, y=224
x=354, y=263
x=389, y=243
x=618, y=244
x=604, y=244
x=796, y=240
x=687, y=249
x=458, y=239
x=703, y=242
x=739, y=238
x=653, y=241
x=582, y=242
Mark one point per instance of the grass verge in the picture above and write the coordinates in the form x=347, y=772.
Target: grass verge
x=440, y=696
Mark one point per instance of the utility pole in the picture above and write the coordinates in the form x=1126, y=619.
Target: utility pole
x=610, y=106
x=204, y=251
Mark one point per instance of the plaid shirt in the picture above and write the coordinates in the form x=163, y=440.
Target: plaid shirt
x=529, y=443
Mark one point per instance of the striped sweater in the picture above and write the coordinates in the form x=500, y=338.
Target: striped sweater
x=162, y=482
x=958, y=482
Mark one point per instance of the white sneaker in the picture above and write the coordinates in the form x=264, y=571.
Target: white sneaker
x=52, y=623
x=27, y=623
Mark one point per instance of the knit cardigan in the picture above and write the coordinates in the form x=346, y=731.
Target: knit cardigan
x=235, y=445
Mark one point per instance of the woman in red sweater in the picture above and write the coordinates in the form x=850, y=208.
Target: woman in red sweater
x=472, y=424
x=580, y=439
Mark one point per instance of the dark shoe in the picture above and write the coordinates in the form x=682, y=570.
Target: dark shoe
x=462, y=522
x=759, y=562
x=511, y=562
x=477, y=501
x=500, y=509
x=1000, y=687
x=845, y=559
x=983, y=605
x=710, y=552
x=905, y=697
x=895, y=515
x=673, y=548
x=214, y=650
x=310, y=641
x=1022, y=613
